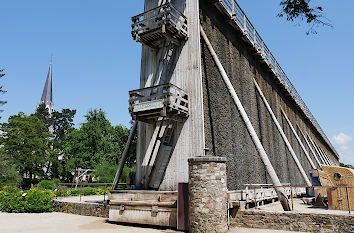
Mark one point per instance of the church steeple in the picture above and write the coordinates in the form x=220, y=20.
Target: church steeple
x=47, y=96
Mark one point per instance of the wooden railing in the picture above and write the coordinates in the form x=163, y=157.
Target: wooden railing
x=257, y=193
x=249, y=31
x=163, y=21
x=167, y=96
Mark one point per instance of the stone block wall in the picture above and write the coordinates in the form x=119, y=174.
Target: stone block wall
x=319, y=223
x=207, y=194
x=85, y=209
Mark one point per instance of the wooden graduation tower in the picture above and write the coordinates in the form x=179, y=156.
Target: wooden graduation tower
x=209, y=83
x=168, y=106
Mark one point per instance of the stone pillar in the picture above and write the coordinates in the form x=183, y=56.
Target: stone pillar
x=207, y=194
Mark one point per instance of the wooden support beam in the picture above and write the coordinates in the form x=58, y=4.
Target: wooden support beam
x=151, y=148
x=124, y=155
x=281, y=131
x=314, y=145
x=269, y=168
x=298, y=139
x=154, y=154
x=308, y=144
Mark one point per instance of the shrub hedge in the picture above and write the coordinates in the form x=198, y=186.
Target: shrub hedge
x=13, y=200
x=39, y=199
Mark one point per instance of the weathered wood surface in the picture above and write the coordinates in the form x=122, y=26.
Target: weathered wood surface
x=184, y=70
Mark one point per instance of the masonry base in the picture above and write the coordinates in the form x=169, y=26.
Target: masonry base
x=320, y=223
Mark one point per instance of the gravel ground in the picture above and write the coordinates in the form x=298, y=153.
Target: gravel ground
x=69, y=223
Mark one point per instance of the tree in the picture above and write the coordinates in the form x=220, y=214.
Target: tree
x=2, y=91
x=59, y=124
x=96, y=142
x=301, y=9
x=26, y=141
x=8, y=172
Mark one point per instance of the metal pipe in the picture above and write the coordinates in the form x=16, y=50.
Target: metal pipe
x=124, y=155
x=280, y=191
x=281, y=131
x=298, y=139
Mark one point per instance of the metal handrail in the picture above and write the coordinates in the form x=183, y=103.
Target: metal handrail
x=255, y=39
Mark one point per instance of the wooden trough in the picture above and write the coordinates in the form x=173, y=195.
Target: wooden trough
x=157, y=208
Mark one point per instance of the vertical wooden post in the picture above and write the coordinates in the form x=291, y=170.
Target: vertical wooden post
x=255, y=197
x=346, y=189
x=182, y=207
x=292, y=198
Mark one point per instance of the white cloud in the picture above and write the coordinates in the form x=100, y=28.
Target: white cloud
x=342, y=139
x=342, y=143
x=346, y=157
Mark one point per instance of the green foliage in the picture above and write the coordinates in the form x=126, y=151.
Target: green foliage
x=125, y=173
x=26, y=141
x=301, y=9
x=12, y=202
x=31, y=201
x=8, y=172
x=38, y=201
x=2, y=91
x=82, y=191
x=48, y=184
x=96, y=142
x=89, y=191
x=345, y=165
x=59, y=123
x=105, y=172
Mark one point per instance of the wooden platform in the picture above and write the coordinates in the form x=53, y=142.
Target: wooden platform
x=167, y=100
x=256, y=196
x=163, y=22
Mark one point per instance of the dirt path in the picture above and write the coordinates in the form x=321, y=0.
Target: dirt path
x=69, y=223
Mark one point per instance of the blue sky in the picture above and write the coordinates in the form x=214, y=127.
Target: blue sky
x=96, y=62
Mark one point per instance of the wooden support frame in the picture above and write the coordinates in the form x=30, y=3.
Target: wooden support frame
x=281, y=131
x=314, y=145
x=269, y=167
x=298, y=139
x=308, y=144
x=124, y=155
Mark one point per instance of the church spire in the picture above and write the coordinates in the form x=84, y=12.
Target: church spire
x=47, y=96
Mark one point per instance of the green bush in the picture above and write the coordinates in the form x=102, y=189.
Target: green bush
x=12, y=202
x=88, y=191
x=38, y=201
x=31, y=201
x=75, y=192
x=9, y=189
x=62, y=193
x=48, y=184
